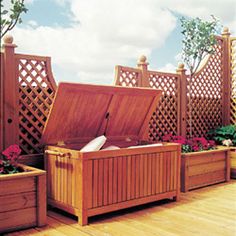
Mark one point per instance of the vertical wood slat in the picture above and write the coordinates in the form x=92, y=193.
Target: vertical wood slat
x=119, y=182
x=110, y=181
x=100, y=179
x=105, y=183
x=115, y=174
x=124, y=182
x=133, y=176
x=95, y=183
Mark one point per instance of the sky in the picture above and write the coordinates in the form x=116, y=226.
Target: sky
x=87, y=38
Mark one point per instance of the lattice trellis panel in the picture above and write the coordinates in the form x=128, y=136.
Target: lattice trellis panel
x=204, y=96
x=126, y=76
x=233, y=82
x=36, y=88
x=164, y=119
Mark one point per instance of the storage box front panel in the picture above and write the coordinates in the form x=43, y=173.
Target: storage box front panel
x=111, y=180
x=119, y=179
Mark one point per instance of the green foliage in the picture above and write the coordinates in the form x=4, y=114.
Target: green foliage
x=9, y=18
x=199, y=40
x=224, y=133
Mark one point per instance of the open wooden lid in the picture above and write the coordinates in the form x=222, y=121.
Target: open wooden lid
x=81, y=112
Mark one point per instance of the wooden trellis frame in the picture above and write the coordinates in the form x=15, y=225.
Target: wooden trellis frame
x=212, y=91
x=233, y=80
x=27, y=90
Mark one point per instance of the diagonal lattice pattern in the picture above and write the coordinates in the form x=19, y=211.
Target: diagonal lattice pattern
x=233, y=82
x=127, y=76
x=36, y=91
x=204, y=96
x=164, y=119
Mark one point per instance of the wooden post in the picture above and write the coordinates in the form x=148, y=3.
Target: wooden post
x=1, y=101
x=10, y=95
x=182, y=100
x=143, y=66
x=226, y=77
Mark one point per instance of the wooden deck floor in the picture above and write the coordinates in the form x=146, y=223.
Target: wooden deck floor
x=209, y=211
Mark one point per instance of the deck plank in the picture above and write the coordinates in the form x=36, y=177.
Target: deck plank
x=205, y=211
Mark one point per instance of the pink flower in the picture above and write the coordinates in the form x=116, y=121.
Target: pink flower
x=195, y=148
x=12, y=152
x=167, y=138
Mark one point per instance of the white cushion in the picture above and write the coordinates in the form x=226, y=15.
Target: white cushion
x=95, y=144
x=112, y=147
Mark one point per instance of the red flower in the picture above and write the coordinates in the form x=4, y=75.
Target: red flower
x=12, y=152
x=167, y=138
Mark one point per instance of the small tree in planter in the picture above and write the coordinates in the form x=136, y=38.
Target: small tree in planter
x=198, y=42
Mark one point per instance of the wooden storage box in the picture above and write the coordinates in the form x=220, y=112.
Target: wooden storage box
x=200, y=169
x=92, y=183
x=22, y=199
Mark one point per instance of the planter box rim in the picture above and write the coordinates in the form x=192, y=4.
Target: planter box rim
x=29, y=171
x=218, y=149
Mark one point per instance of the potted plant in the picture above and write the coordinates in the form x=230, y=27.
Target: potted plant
x=22, y=193
x=226, y=135
x=199, y=41
x=202, y=163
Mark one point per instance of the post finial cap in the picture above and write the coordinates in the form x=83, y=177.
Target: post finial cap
x=225, y=31
x=8, y=39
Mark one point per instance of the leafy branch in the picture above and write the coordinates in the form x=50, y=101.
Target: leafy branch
x=9, y=18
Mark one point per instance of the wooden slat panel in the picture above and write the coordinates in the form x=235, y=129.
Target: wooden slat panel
x=128, y=178
x=110, y=181
x=17, y=201
x=124, y=188
x=161, y=170
x=24, y=217
x=137, y=178
x=90, y=184
x=157, y=169
x=206, y=168
x=95, y=183
x=115, y=177
x=141, y=170
x=74, y=187
x=105, y=183
x=119, y=181
x=100, y=182
x=145, y=175
x=149, y=174
x=17, y=186
x=206, y=179
x=154, y=173
x=209, y=157
x=133, y=176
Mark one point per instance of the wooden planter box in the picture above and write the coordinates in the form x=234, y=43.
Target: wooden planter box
x=22, y=199
x=200, y=169
x=232, y=155
x=96, y=182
